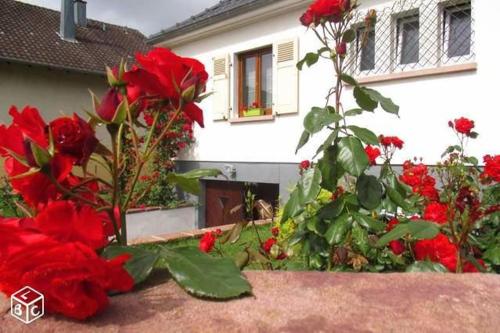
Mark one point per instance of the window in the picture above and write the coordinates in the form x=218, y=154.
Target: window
x=255, y=79
x=365, y=48
x=408, y=40
x=457, y=30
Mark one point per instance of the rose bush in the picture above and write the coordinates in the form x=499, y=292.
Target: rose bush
x=71, y=243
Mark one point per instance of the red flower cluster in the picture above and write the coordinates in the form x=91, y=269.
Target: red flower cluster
x=463, y=125
x=304, y=165
x=165, y=75
x=325, y=11
x=397, y=247
x=207, y=241
x=417, y=176
x=388, y=141
x=441, y=250
x=372, y=153
x=491, y=168
x=436, y=212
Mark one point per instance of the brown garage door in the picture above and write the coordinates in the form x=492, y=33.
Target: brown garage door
x=221, y=197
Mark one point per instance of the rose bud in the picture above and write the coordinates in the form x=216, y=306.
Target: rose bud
x=107, y=110
x=341, y=49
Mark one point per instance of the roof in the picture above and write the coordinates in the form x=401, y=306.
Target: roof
x=29, y=34
x=225, y=9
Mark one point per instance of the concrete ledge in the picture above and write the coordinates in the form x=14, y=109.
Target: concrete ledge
x=303, y=302
x=187, y=234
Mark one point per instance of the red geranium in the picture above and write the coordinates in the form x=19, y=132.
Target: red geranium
x=207, y=241
x=464, y=125
x=166, y=75
x=436, y=212
x=72, y=278
x=74, y=137
x=372, y=154
x=325, y=10
x=492, y=167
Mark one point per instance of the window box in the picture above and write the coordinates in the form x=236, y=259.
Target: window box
x=253, y=112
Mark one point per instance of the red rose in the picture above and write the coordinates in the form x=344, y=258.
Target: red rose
x=107, y=110
x=372, y=154
x=65, y=222
x=470, y=268
x=439, y=249
x=327, y=10
x=275, y=231
x=391, y=224
x=397, y=247
x=304, y=165
x=464, y=125
x=207, y=241
x=388, y=141
x=416, y=176
x=268, y=244
x=72, y=278
x=341, y=49
x=436, y=212
x=31, y=125
x=167, y=75
x=492, y=167
x=74, y=137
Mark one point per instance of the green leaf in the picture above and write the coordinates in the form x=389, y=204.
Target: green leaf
x=353, y=112
x=397, y=198
x=368, y=222
x=349, y=36
x=352, y=156
x=420, y=229
x=348, y=79
x=369, y=191
x=337, y=230
x=310, y=59
x=318, y=118
x=364, y=100
x=293, y=206
x=364, y=135
x=360, y=239
x=189, y=181
x=426, y=266
x=140, y=266
x=328, y=142
x=493, y=255
x=314, y=224
x=331, y=171
x=397, y=232
x=304, y=138
x=386, y=103
x=121, y=112
x=203, y=275
x=233, y=235
x=332, y=209
x=309, y=185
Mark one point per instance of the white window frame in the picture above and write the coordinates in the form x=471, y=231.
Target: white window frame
x=445, y=31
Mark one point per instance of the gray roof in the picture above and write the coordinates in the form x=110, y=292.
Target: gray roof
x=224, y=10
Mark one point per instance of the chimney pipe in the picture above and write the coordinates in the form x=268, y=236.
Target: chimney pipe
x=81, y=13
x=67, y=28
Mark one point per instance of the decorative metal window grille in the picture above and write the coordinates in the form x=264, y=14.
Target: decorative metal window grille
x=414, y=34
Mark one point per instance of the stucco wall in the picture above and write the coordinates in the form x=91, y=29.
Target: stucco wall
x=426, y=103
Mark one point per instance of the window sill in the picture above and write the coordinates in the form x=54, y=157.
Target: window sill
x=251, y=119
x=419, y=73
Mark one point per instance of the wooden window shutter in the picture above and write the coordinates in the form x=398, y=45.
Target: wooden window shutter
x=221, y=88
x=286, y=77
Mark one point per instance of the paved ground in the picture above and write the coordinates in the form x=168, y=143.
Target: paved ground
x=304, y=302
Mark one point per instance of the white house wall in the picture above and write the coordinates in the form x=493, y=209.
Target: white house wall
x=426, y=103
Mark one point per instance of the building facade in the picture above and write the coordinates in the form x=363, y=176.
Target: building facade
x=436, y=59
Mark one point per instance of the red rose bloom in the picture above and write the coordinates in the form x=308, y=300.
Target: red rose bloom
x=74, y=137
x=388, y=141
x=464, y=125
x=72, y=278
x=492, y=167
x=166, y=75
x=439, y=249
x=30, y=124
x=207, y=241
x=416, y=176
x=328, y=10
x=436, y=212
x=304, y=165
x=372, y=154
x=268, y=244
x=391, y=224
x=397, y=247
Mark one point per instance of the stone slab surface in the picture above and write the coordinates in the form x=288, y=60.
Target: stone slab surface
x=303, y=302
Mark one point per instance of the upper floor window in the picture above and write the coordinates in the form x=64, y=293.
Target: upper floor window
x=255, y=92
x=365, y=48
x=457, y=30
x=408, y=44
